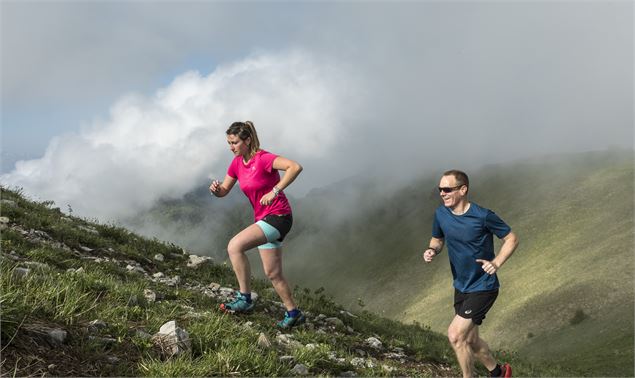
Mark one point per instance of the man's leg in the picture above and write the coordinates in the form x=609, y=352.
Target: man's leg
x=459, y=332
x=480, y=349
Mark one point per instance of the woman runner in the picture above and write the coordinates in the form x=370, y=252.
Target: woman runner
x=256, y=170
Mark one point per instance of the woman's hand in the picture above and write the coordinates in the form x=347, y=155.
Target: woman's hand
x=215, y=187
x=267, y=198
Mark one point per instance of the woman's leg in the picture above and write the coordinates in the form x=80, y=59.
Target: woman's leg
x=245, y=240
x=272, y=264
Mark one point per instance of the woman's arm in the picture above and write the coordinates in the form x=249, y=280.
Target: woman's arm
x=291, y=170
x=222, y=189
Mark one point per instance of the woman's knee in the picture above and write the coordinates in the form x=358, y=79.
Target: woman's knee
x=235, y=247
x=274, y=275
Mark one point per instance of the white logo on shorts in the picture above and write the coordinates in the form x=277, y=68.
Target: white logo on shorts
x=467, y=312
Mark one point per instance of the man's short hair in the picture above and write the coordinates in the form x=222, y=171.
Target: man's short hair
x=460, y=176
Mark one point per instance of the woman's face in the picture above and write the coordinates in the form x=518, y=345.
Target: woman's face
x=237, y=145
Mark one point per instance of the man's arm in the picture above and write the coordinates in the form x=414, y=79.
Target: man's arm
x=510, y=242
x=435, y=247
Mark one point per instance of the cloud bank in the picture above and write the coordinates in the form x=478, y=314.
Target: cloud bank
x=167, y=144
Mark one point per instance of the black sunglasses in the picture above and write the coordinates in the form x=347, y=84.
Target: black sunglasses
x=449, y=190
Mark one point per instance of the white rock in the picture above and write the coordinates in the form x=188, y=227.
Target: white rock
x=57, y=336
x=347, y=314
x=337, y=322
x=172, y=339
x=288, y=359
x=374, y=342
x=159, y=257
x=89, y=229
x=36, y=265
x=358, y=362
x=196, y=261
x=300, y=369
x=150, y=295
x=263, y=341
x=388, y=369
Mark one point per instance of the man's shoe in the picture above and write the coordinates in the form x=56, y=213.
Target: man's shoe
x=239, y=305
x=289, y=322
x=506, y=370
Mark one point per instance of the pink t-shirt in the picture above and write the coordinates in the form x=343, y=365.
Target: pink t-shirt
x=257, y=178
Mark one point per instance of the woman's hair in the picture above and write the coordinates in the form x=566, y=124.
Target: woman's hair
x=245, y=130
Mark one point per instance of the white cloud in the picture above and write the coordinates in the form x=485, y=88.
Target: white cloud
x=172, y=142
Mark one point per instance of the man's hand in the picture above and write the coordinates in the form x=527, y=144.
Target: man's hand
x=429, y=254
x=488, y=266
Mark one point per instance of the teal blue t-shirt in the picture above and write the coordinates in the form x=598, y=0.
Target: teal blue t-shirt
x=469, y=237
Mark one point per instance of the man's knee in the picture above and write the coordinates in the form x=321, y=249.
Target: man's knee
x=457, y=336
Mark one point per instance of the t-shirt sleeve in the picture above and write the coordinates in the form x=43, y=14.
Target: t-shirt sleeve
x=437, y=232
x=496, y=225
x=266, y=159
x=231, y=171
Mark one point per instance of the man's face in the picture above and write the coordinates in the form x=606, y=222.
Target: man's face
x=451, y=194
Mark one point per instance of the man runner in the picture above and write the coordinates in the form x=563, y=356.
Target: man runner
x=467, y=229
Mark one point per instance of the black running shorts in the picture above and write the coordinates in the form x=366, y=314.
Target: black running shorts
x=474, y=305
x=282, y=223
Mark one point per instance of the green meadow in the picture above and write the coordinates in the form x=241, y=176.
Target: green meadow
x=565, y=307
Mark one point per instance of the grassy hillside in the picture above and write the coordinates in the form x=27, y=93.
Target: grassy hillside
x=106, y=290
x=567, y=293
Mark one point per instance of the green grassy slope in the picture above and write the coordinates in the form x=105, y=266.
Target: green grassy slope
x=78, y=272
x=567, y=293
x=574, y=216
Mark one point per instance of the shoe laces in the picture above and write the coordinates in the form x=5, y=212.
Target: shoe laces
x=240, y=298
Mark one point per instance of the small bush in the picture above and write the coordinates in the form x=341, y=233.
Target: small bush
x=578, y=317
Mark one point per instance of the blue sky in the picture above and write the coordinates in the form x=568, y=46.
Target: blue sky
x=486, y=81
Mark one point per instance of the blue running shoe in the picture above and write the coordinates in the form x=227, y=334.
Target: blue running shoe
x=239, y=305
x=291, y=321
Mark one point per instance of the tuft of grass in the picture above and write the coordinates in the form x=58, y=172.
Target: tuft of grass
x=578, y=317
